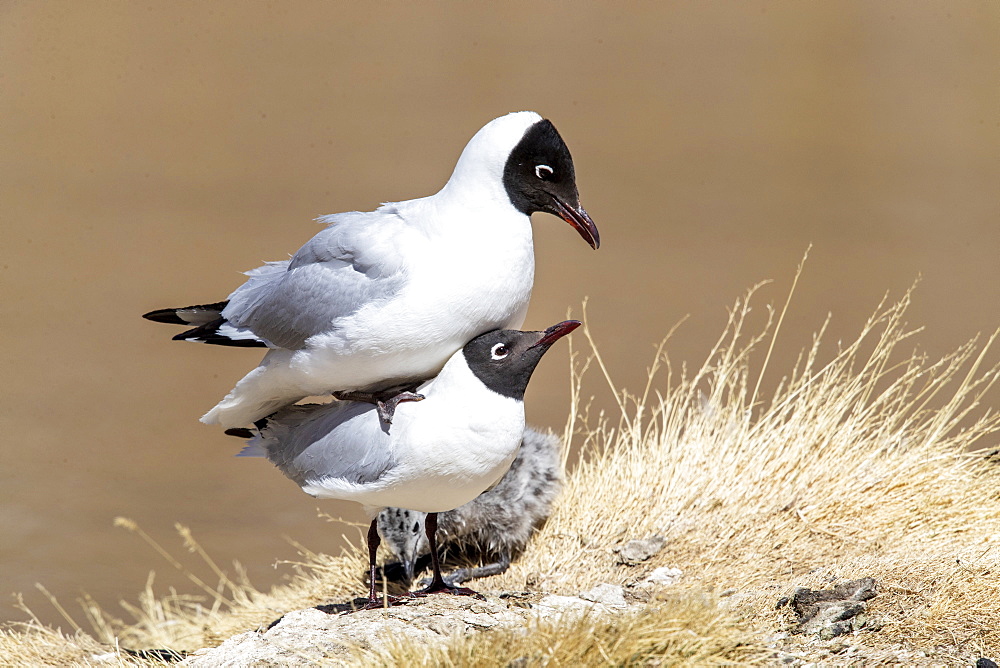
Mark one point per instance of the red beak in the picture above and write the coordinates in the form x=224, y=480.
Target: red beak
x=556, y=332
x=580, y=220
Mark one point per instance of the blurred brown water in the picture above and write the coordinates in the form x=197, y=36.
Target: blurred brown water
x=151, y=151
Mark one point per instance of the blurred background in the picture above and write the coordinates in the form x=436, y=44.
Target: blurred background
x=151, y=151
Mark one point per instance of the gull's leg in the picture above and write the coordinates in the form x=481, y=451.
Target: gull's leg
x=438, y=585
x=375, y=601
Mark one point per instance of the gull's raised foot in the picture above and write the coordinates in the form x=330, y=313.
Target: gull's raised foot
x=386, y=409
x=385, y=401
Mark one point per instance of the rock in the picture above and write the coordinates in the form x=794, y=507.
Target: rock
x=326, y=635
x=636, y=551
x=606, y=594
x=666, y=576
x=829, y=613
x=567, y=606
x=311, y=636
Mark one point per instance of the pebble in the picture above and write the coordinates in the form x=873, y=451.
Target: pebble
x=606, y=594
x=665, y=575
x=636, y=551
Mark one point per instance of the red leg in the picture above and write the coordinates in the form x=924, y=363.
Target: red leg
x=375, y=600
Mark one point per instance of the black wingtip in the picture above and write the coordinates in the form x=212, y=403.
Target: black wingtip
x=219, y=340
x=234, y=343
x=197, y=314
x=167, y=315
x=208, y=333
x=239, y=432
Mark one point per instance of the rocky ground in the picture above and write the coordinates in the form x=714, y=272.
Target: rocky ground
x=828, y=627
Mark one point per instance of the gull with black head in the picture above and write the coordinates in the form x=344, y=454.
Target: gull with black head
x=441, y=452
x=379, y=301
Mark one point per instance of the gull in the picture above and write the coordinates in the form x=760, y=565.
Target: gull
x=378, y=301
x=494, y=526
x=441, y=452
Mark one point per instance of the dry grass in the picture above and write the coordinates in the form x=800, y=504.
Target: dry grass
x=678, y=631
x=859, y=465
x=182, y=622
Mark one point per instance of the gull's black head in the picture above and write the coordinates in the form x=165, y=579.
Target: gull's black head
x=539, y=176
x=504, y=359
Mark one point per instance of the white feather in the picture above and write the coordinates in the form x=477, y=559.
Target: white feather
x=387, y=296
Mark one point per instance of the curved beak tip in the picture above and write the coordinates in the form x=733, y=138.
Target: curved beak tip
x=581, y=221
x=556, y=332
x=566, y=326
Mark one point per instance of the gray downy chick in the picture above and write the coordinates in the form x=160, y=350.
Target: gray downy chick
x=492, y=529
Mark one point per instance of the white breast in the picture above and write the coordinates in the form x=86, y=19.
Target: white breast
x=448, y=449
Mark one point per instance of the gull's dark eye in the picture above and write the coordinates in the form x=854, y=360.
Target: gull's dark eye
x=544, y=172
x=499, y=351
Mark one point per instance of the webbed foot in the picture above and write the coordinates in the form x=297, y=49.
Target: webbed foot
x=385, y=401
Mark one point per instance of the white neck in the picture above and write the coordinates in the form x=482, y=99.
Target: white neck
x=479, y=171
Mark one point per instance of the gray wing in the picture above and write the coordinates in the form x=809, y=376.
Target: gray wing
x=352, y=262
x=343, y=439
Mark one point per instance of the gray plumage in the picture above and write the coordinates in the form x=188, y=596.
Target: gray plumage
x=334, y=274
x=383, y=298
x=292, y=436
x=493, y=528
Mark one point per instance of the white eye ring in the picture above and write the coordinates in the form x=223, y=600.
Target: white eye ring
x=540, y=168
x=499, y=351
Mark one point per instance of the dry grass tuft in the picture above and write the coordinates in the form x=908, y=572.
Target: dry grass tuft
x=677, y=631
x=858, y=465
x=180, y=622
x=31, y=644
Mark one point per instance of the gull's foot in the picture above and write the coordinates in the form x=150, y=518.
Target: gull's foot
x=453, y=579
x=445, y=588
x=386, y=409
x=376, y=603
x=385, y=400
